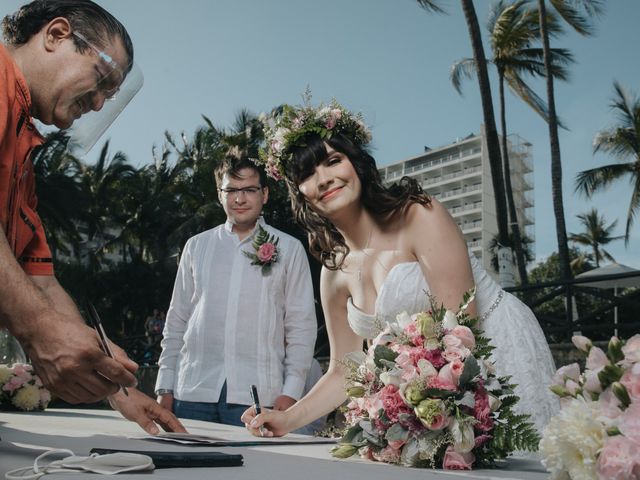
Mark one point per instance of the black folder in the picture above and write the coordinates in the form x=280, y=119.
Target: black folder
x=182, y=459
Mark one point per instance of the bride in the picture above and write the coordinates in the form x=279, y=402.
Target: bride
x=382, y=248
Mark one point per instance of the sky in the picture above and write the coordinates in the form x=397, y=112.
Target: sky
x=389, y=59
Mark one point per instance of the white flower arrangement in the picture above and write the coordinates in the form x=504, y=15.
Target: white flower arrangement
x=21, y=388
x=596, y=435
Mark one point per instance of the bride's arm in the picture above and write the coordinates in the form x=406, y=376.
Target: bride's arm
x=437, y=242
x=329, y=392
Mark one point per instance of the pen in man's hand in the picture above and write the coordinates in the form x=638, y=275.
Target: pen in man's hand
x=104, y=341
x=256, y=405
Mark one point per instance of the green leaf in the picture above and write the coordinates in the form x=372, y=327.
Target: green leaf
x=382, y=352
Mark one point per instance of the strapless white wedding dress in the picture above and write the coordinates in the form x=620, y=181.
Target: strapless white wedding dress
x=521, y=348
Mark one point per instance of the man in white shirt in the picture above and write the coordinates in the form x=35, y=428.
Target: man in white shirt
x=235, y=321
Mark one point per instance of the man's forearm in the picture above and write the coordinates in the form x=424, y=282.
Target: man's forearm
x=20, y=298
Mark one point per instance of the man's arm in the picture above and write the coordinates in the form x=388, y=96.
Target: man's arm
x=300, y=327
x=64, y=351
x=175, y=326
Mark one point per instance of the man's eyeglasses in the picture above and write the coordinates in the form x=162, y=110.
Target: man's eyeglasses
x=235, y=192
x=108, y=82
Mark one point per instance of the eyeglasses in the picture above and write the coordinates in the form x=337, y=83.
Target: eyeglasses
x=107, y=83
x=235, y=192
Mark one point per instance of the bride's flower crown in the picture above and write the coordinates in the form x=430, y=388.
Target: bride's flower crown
x=288, y=126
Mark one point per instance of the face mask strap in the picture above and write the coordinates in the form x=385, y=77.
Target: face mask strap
x=22, y=473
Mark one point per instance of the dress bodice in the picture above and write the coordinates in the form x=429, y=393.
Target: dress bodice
x=405, y=288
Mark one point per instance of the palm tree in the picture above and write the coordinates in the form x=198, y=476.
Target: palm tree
x=570, y=11
x=512, y=29
x=103, y=207
x=596, y=233
x=493, y=144
x=622, y=141
x=59, y=193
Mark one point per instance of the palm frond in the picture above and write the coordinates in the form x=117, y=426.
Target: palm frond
x=588, y=181
x=432, y=6
x=462, y=69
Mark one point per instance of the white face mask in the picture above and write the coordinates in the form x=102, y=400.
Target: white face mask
x=109, y=464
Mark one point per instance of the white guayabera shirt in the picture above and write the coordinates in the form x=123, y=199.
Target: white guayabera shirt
x=229, y=321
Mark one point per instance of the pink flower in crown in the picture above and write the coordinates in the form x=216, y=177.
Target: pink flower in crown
x=332, y=118
x=266, y=251
x=619, y=459
x=457, y=461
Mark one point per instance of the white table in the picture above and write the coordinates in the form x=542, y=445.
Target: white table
x=27, y=435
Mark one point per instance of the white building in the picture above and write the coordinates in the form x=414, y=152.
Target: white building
x=458, y=175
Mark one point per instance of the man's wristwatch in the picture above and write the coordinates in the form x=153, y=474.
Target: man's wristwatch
x=164, y=391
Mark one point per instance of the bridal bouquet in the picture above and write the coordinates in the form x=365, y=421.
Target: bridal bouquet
x=22, y=389
x=425, y=394
x=597, y=432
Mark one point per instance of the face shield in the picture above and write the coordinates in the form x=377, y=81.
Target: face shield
x=115, y=87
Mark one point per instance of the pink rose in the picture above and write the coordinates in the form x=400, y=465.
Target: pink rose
x=439, y=422
x=456, y=353
x=619, y=459
x=457, y=461
x=266, y=252
x=388, y=455
x=457, y=368
x=465, y=335
x=451, y=341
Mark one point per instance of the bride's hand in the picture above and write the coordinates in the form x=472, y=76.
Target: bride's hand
x=270, y=423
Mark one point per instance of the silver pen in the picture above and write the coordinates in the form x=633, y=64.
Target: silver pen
x=94, y=318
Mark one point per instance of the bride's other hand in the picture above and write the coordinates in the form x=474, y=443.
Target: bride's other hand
x=270, y=423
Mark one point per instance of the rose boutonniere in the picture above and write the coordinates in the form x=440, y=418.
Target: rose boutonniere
x=265, y=252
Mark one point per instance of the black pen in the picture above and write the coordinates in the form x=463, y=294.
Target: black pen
x=256, y=405
x=94, y=318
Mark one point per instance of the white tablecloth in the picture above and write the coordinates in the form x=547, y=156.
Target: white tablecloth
x=24, y=436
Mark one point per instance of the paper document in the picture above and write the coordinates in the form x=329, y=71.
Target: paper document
x=247, y=441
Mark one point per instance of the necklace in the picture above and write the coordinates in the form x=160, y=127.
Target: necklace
x=359, y=272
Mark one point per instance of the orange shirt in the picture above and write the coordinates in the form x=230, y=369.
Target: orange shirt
x=18, y=137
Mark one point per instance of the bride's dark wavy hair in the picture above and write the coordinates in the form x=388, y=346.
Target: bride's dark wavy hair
x=326, y=243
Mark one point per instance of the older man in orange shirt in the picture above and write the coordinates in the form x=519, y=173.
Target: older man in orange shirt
x=52, y=67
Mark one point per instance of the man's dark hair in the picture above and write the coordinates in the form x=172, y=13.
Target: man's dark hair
x=234, y=161
x=85, y=17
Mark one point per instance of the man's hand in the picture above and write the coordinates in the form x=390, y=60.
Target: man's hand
x=283, y=402
x=146, y=412
x=166, y=401
x=66, y=355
